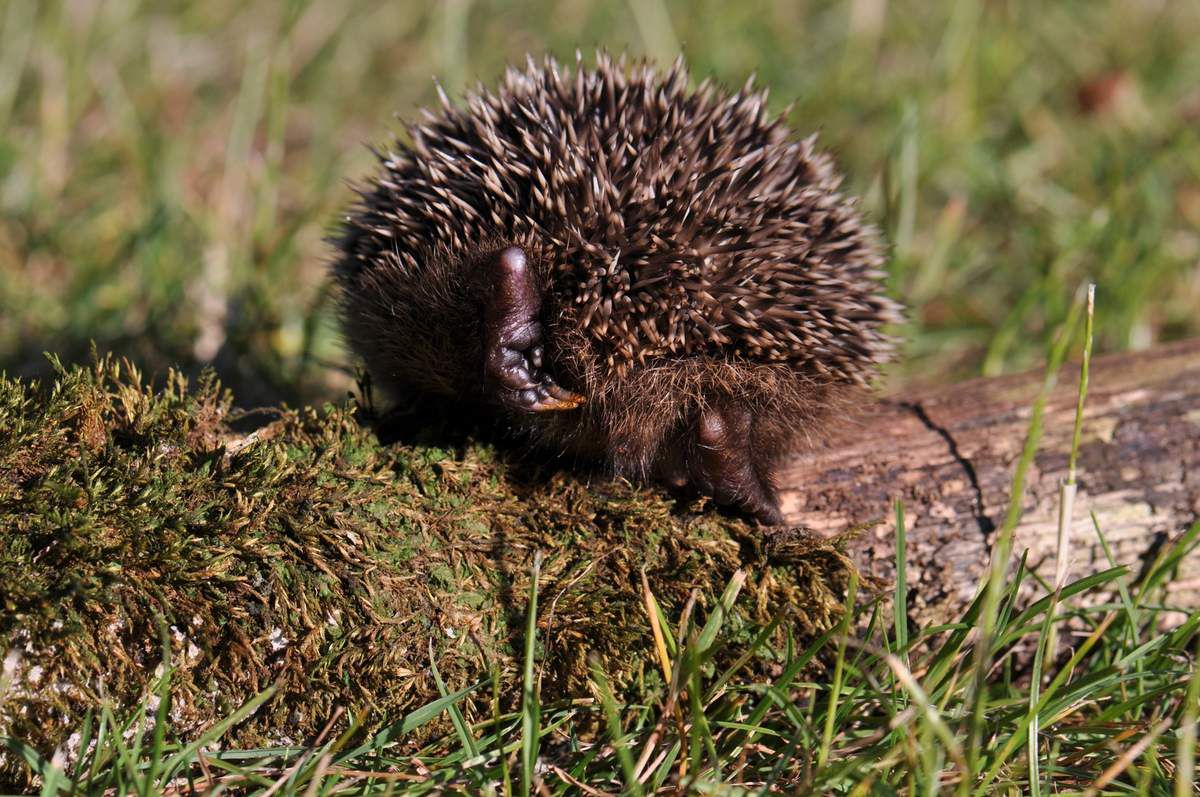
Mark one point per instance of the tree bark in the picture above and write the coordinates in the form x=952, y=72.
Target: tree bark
x=949, y=455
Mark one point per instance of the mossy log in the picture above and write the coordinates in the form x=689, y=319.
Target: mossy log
x=949, y=454
x=146, y=525
x=292, y=548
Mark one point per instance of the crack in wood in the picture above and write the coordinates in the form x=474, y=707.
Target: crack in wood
x=986, y=524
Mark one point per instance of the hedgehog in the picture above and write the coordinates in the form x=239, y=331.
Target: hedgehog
x=620, y=268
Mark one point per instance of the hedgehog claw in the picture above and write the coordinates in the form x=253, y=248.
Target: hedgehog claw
x=546, y=397
x=514, y=353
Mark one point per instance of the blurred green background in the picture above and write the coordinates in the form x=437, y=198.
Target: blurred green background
x=168, y=169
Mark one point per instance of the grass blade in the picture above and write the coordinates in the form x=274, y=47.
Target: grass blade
x=530, y=711
x=411, y=721
x=997, y=571
x=456, y=717
x=900, y=601
x=712, y=627
x=839, y=666
x=1185, y=742
x=612, y=718
x=185, y=756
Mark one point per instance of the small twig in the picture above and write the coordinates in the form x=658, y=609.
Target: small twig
x=567, y=777
x=366, y=773
x=1128, y=757
x=664, y=716
x=314, y=783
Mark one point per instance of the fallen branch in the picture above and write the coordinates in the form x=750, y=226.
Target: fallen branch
x=949, y=455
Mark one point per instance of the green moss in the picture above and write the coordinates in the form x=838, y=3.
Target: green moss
x=308, y=555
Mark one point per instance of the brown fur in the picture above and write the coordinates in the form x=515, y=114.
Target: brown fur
x=690, y=254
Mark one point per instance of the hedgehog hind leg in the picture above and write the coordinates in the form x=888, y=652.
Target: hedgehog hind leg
x=723, y=465
x=513, y=352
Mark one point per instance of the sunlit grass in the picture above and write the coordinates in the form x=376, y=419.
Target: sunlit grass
x=1119, y=712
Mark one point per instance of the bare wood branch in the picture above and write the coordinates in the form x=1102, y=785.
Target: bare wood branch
x=949, y=455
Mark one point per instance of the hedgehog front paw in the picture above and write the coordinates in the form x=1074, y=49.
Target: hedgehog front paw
x=513, y=340
x=519, y=382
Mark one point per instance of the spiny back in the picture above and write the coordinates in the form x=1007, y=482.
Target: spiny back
x=673, y=221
